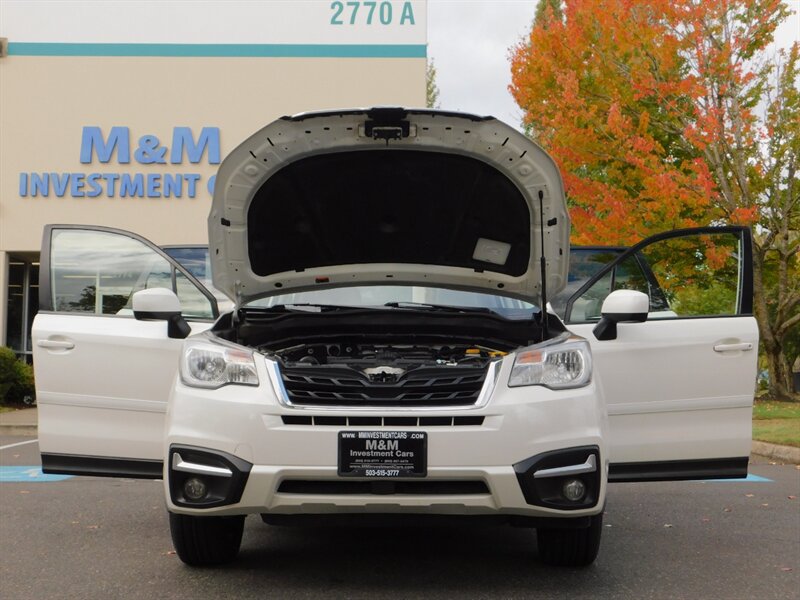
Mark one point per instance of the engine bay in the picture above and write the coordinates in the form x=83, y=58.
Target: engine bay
x=379, y=357
x=373, y=374
x=372, y=357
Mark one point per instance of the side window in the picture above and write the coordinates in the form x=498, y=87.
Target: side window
x=688, y=276
x=698, y=274
x=97, y=272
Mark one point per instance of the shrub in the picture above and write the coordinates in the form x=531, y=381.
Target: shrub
x=16, y=378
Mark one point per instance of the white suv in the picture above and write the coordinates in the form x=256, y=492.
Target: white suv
x=385, y=358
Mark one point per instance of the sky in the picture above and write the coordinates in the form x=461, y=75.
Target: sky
x=469, y=42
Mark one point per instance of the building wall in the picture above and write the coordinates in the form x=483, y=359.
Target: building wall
x=148, y=68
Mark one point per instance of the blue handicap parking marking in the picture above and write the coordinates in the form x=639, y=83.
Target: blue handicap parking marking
x=29, y=474
x=749, y=479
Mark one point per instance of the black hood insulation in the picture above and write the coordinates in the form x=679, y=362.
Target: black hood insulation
x=386, y=206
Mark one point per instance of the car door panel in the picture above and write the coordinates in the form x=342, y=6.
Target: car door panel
x=704, y=411
x=679, y=388
x=105, y=409
x=102, y=376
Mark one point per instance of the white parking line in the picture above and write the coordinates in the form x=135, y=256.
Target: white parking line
x=18, y=444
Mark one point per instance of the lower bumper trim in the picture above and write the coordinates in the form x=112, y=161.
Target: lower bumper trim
x=382, y=487
x=422, y=520
x=679, y=470
x=101, y=466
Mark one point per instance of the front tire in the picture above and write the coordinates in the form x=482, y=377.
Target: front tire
x=206, y=541
x=570, y=547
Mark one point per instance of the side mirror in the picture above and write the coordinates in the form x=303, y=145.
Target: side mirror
x=161, y=304
x=621, y=306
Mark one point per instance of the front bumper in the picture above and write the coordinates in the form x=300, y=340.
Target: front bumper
x=292, y=468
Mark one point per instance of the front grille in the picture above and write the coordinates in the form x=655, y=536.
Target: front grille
x=326, y=420
x=383, y=488
x=343, y=386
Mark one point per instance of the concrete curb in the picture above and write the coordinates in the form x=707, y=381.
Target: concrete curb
x=19, y=422
x=27, y=430
x=787, y=454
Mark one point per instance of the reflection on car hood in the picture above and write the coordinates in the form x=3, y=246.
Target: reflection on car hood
x=387, y=196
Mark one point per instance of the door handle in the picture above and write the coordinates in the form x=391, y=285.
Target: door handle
x=60, y=344
x=733, y=347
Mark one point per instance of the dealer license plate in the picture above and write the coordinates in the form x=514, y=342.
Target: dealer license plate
x=383, y=454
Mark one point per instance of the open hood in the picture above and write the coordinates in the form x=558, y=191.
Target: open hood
x=388, y=196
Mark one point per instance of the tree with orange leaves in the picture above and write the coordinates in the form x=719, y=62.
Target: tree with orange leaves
x=671, y=113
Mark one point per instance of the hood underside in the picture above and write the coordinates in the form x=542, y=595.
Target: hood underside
x=387, y=196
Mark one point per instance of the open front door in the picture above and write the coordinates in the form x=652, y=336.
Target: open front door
x=679, y=386
x=103, y=376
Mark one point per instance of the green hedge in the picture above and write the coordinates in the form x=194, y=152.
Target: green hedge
x=16, y=378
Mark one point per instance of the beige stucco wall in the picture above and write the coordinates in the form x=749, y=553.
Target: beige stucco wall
x=46, y=101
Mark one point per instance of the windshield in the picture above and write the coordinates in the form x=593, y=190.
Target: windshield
x=195, y=259
x=584, y=263
x=380, y=295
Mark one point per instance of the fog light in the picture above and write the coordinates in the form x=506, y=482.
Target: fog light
x=573, y=489
x=195, y=489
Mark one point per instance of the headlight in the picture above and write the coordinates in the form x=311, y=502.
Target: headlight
x=556, y=365
x=208, y=365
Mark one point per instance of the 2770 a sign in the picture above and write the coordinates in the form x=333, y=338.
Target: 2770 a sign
x=372, y=13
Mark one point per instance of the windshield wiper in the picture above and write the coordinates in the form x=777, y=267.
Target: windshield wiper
x=310, y=307
x=439, y=307
x=319, y=308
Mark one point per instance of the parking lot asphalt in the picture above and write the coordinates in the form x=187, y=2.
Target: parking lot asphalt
x=109, y=538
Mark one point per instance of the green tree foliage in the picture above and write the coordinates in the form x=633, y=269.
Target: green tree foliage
x=546, y=11
x=16, y=378
x=431, y=89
